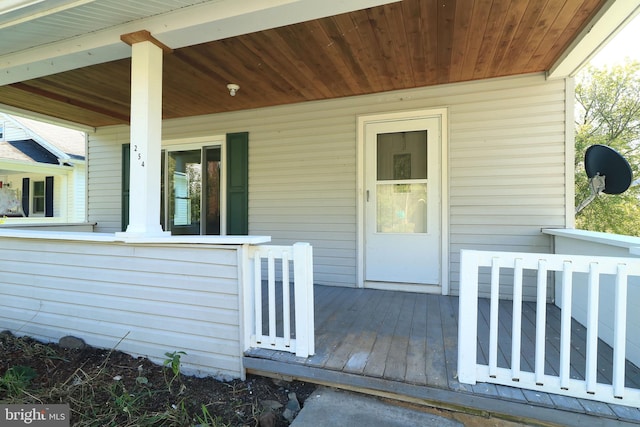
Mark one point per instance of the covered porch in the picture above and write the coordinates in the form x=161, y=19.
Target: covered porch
x=405, y=346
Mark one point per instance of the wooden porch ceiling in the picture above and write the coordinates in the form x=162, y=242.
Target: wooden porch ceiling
x=402, y=45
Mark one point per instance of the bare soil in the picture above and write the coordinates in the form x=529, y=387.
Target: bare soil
x=111, y=388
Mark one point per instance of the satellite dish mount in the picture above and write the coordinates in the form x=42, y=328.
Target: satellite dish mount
x=608, y=172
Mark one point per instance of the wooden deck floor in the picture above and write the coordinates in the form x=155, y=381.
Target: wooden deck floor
x=405, y=345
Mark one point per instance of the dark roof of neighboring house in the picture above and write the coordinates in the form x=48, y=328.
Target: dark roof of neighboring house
x=34, y=151
x=68, y=141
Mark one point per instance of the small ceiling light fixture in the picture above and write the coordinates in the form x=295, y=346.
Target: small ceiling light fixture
x=233, y=88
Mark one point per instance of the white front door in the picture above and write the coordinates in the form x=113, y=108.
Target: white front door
x=402, y=203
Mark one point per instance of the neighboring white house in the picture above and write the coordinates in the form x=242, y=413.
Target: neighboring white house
x=42, y=172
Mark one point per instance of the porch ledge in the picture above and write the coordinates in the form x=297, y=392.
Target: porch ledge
x=111, y=237
x=630, y=242
x=45, y=224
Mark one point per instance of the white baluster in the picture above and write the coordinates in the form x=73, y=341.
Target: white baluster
x=593, y=298
x=541, y=320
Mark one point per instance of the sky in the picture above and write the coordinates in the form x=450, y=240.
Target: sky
x=624, y=44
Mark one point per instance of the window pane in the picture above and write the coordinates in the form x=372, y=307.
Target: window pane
x=38, y=197
x=38, y=204
x=402, y=155
x=212, y=201
x=185, y=189
x=38, y=188
x=402, y=208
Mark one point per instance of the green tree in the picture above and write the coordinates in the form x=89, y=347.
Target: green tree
x=608, y=113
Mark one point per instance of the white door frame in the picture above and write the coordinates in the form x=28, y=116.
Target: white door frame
x=362, y=120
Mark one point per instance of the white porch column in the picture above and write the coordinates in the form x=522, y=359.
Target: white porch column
x=146, y=134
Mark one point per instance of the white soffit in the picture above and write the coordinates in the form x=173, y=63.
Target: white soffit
x=609, y=21
x=180, y=27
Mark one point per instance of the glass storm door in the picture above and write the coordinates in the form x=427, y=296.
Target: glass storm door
x=194, y=190
x=185, y=190
x=402, y=202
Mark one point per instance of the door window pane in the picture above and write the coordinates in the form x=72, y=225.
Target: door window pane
x=402, y=208
x=401, y=182
x=402, y=155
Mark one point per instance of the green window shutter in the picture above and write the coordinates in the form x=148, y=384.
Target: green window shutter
x=238, y=183
x=125, y=185
x=48, y=196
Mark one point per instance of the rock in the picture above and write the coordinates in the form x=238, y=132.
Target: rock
x=292, y=408
x=72, y=343
x=293, y=402
x=267, y=419
x=273, y=405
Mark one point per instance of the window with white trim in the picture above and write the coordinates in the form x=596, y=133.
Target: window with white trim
x=38, y=198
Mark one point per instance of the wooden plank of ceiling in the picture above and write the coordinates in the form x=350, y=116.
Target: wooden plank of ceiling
x=512, y=19
x=367, y=26
x=490, y=38
x=355, y=27
x=70, y=101
x=474, y=41
x=394, y=72
x=311, y=39
x=281, y=56
x=352, y=45
x=519, y=52
x=345, y=47
x=397, y=41
x=446, y=24
x=185, y=88
x=267, y=64
x=200, y=75
x=572, y=17
x=264, y=84
x=20, y=99
x=460, y=41
x=540, y=42
x=414, y=27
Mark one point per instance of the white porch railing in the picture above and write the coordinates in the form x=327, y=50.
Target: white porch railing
x=269, y=323
x=565, y=267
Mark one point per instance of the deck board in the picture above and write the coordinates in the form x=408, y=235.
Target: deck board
x=416, y=372
x=394, y=341
x=435, y=366
x=354, y=322
x=365, y=336
x=396, y=363
x=377, y=360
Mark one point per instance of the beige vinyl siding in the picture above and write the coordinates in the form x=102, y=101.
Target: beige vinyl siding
x=131, y=297
x=12, y=132
x=506, y=168
x=104, y=177
x=76, y=188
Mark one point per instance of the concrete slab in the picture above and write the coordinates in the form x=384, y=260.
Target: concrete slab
x=338, y=408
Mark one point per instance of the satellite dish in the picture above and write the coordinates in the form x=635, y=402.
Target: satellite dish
x=608, y=172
